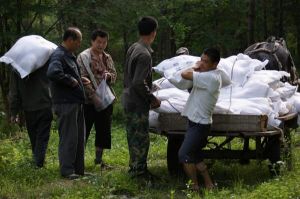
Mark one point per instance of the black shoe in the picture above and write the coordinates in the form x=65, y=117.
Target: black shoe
x=105, y=166
x=72, y=176
x=274, y=169
x=38, y=167
x=97, y=161
x=88, y=174
x=147, y=175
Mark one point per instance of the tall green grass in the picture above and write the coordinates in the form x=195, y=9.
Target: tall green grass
x=19, y=179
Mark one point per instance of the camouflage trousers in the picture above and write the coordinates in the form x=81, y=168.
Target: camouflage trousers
x=137, y=125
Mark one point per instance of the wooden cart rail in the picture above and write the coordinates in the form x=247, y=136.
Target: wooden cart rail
x=221, y=122
x=231, y=127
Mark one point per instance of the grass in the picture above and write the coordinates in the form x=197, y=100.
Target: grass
x=18, y=179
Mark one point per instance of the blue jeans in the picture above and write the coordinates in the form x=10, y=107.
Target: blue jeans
x=195, y=139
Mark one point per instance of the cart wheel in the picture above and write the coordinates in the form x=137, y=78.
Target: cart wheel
x=287, y=150
x=174, y=144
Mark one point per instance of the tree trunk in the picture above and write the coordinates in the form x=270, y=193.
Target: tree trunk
x=19, y=16
x=172, y=42
x=265, y=19
x=4, y=72
x=275, y=27
x=280, y=21
x=125, y=44
x=4, y=84
x=251, y=21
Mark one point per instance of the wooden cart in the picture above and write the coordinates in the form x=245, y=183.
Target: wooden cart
x=232, y=127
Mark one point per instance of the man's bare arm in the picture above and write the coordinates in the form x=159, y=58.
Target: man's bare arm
x=187, y=74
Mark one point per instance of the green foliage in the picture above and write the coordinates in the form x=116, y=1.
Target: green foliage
x=19, y=179
x=7, y=129
x=196, y=24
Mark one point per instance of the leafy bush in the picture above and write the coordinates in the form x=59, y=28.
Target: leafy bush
x=7, y=129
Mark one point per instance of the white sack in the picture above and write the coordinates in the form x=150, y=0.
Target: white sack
x=176, y=63
x=236, y=105
x=162, y=83
x=286, y=91
x=172, y=105
x=179, y=82
x=251, y=106
x=295, y=99
x=271, y=77
x=254, y=89
x=183, y=84
x=240, y=67
x=28, y=54
x=153, y=119
x=165, y=94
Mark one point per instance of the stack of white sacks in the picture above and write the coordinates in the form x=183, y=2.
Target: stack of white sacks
x=247, y=89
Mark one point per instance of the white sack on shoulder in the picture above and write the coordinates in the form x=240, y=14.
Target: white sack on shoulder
x=28, y=54
x=183, y=84
x=176, y=63
x=179, y=82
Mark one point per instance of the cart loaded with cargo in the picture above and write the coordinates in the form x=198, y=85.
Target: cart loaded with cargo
x=254, y=118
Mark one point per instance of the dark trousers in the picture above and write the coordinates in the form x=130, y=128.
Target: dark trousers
x=272, y=150
x=195, y=139
x=71, y=128
x=102, y=121
x=137, y=126
x=38, y=125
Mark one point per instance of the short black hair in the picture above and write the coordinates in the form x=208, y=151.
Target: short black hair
x=147, y=25
x=71, y=32
x=213, y=54
x=98, y=33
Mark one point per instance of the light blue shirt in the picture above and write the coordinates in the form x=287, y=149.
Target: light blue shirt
x=204, y=95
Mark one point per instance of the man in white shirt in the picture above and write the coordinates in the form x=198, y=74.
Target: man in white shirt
x=199, y=109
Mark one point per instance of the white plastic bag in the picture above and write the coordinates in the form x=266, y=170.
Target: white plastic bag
x=28, y=54
x=106, y=97
x=153, y=119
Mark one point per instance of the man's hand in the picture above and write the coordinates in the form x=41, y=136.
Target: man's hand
x=85, y=81
x=15, y=119
x=187, y=74
x=74, y=82
x=155, y=103
x=197, y=66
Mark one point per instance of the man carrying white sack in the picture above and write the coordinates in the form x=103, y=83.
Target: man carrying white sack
x=199, y=109
x=32, y=96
